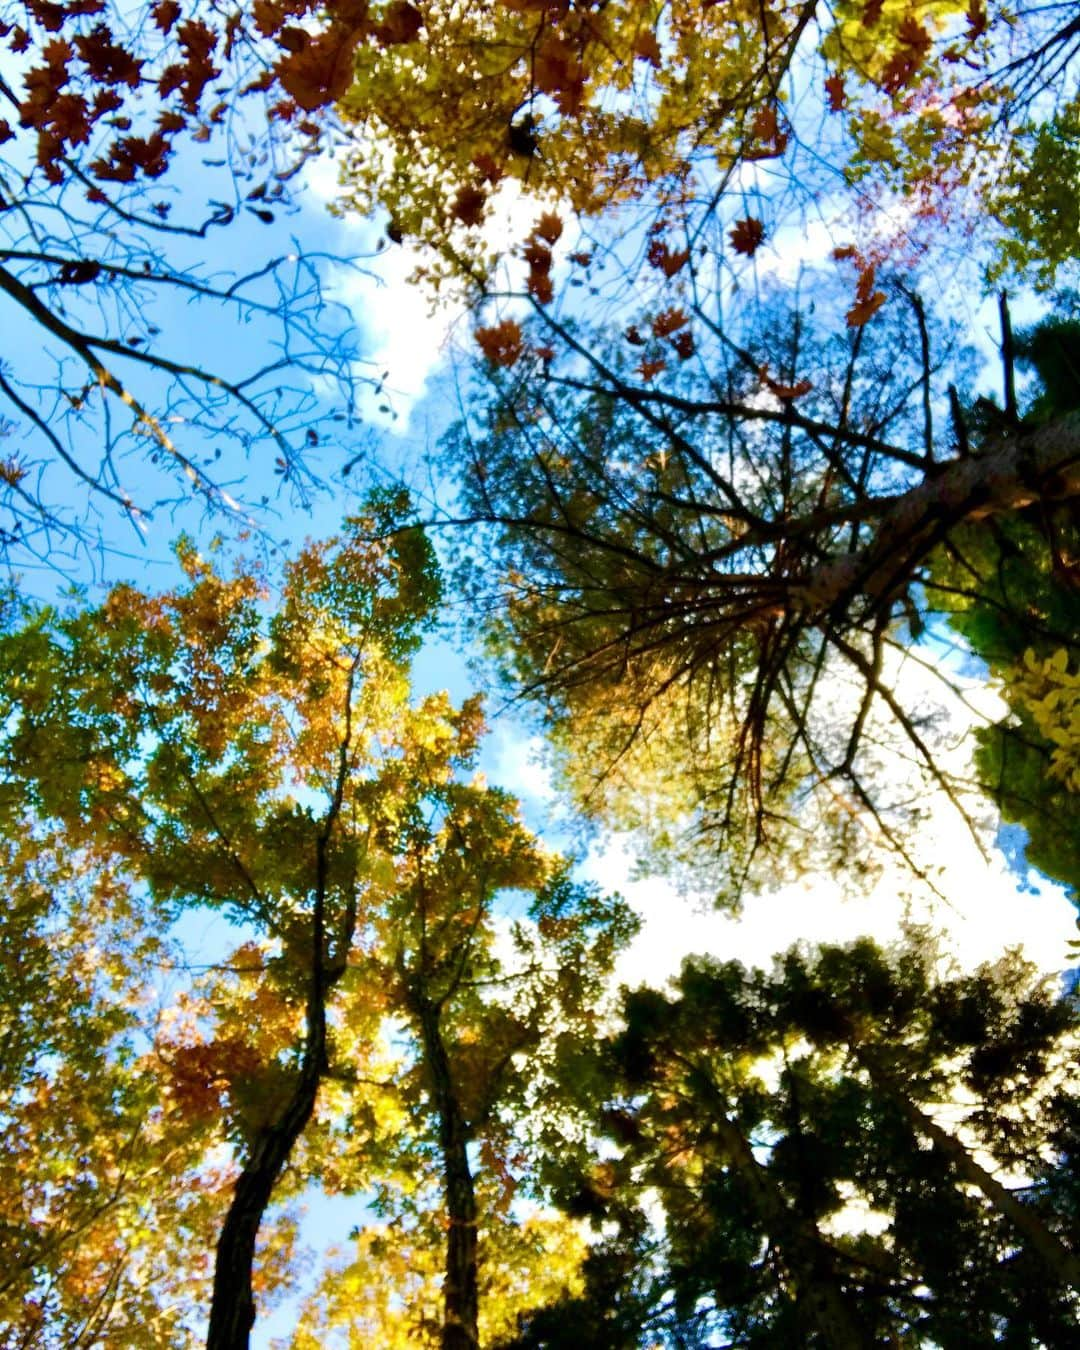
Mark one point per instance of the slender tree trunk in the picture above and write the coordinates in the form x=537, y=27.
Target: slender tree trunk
x=1060, y=1263
x=822, y=1303
x=232, y=1311
x=460, y=1296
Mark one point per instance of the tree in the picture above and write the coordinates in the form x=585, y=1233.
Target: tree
x=269, y=763
x=721, y=603
x=109, y=1203
x=849, y=1150
x=1009, y=587
x=129, y=143
x=595, y=105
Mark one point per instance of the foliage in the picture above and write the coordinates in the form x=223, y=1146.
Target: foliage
x=149, y=354
x=202, y=748
x=1009, y=587
x=839, y=1150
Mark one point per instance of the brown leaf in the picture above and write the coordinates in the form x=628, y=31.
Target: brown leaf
x=549, y=227
x=502, y=344
x=684, y=344
x=864, y=310
x=401, y=22
x=469, y=205
x=165, y=13
x=834, y=91
x=747, y=236
x=650, y=369
x=872, y=11
x=669, y=321
x=664, y=260
x=646, y=47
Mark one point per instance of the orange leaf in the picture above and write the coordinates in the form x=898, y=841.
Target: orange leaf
x=668, y=322
x=539, y=285
x=549, y=227
x=648, y=369
x=646, y=47
x=834, y=90
x=864, y=310
x=502, y=344
x=747, y=236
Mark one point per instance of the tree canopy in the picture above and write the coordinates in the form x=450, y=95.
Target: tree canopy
x=757, y=500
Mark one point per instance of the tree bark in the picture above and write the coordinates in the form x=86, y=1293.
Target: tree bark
x=819, y=1298
x=1059, y=1261
x=232, y=1310
x=460, y=1294
x=1037, y=465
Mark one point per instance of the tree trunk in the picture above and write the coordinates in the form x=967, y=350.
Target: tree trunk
x=1037, y=465
x=1061, y=1264
x=232, y=1311
x=821, y=1301
x=460, y=1296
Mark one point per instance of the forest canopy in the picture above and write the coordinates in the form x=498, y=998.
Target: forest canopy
x=744, y=528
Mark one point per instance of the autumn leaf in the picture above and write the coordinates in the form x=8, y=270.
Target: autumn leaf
x=649, y=369
x=502, y=344
x=400, y=23
x=669, y=321
x=684, y=345
x=975, y=17
x=633, y=336
x=661, y=257
x=747, y=236
x=834, y=91
x=646, y=48
x=549, y=227
x=539, y=286
x=863, y=310
x=469, y=205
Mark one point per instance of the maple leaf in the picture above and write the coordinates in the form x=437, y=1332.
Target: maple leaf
x=649, y=369
x=646, y=48
x=321, y=73
x=765, y=125
x=864, y=309
x=502, y=344
x=165, y=13
x=488, y=167
x=6, y=132
x=538, y=256
x=684, y=344
x=835, y=93
x=107, y=61
x=401, y=23
x=633, y=336
x=469, y=205
x=872, y=11
x=747, y=236
x=665, y=260
x=975, y=17
x=669, y=321
x=539, y=285
x=549, y=227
